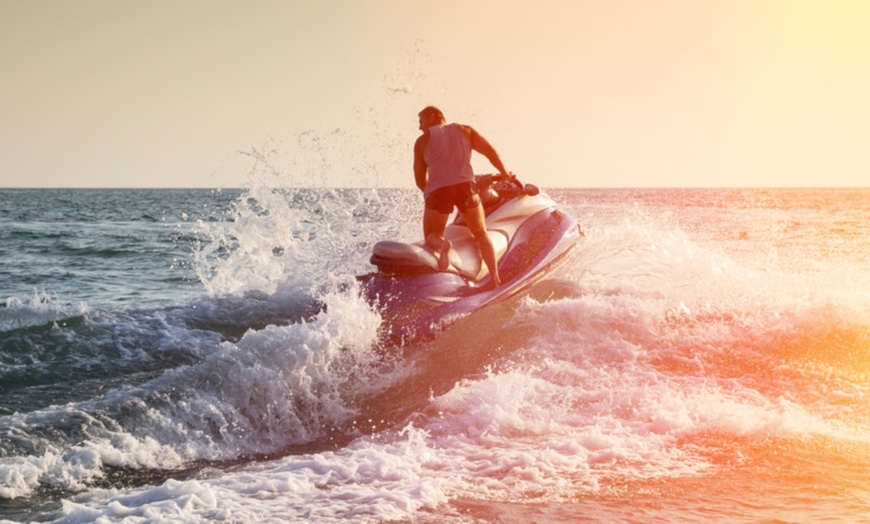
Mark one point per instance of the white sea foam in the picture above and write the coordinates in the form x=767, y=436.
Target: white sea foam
x=74, y=467
x=366, y=481
x=281, y=235
x=39, y=309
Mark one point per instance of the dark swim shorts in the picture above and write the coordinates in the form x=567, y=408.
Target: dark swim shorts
x=463, y=196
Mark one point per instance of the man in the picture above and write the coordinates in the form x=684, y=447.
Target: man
x=442, y=170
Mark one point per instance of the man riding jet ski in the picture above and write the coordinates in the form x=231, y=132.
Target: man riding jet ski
x=443, y=172
x=505, y=233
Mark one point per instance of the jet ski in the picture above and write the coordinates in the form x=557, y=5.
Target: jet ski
x=532, y=237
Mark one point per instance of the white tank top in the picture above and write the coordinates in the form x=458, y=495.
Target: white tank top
x=448, y=157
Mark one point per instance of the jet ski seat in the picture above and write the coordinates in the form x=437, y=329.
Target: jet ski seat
x=464, y=256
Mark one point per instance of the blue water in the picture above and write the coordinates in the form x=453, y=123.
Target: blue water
x=202, y=355
x=105, y=246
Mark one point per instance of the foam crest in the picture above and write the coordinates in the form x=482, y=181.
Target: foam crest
x=279, y=386
x=38, y=310
x=94, y=445
x=365, y=481
x=519, y=434
x=173, y=500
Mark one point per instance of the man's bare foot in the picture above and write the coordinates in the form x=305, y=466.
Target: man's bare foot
x=491, y=285
x=444, y=258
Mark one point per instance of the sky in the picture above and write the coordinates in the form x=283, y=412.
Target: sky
x=574, y=93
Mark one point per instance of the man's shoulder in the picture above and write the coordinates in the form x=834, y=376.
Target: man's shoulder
x=421, y=142
x=467, y=129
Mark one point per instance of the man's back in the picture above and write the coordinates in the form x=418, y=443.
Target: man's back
x=448, y=157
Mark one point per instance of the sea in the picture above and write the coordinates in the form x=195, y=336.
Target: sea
x=204, y=355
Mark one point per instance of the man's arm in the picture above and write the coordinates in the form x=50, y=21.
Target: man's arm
x=482, y=146
x=421, y=171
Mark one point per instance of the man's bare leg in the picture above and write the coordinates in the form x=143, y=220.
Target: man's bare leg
x=487, y=252
x=476, y=221
x=442, y=246
x=434, y=223
x=444, y=259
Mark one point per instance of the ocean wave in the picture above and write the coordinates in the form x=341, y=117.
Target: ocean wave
x=657, y=361
x=274, y=389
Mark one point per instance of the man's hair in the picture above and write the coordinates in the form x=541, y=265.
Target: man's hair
x=432, y=110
